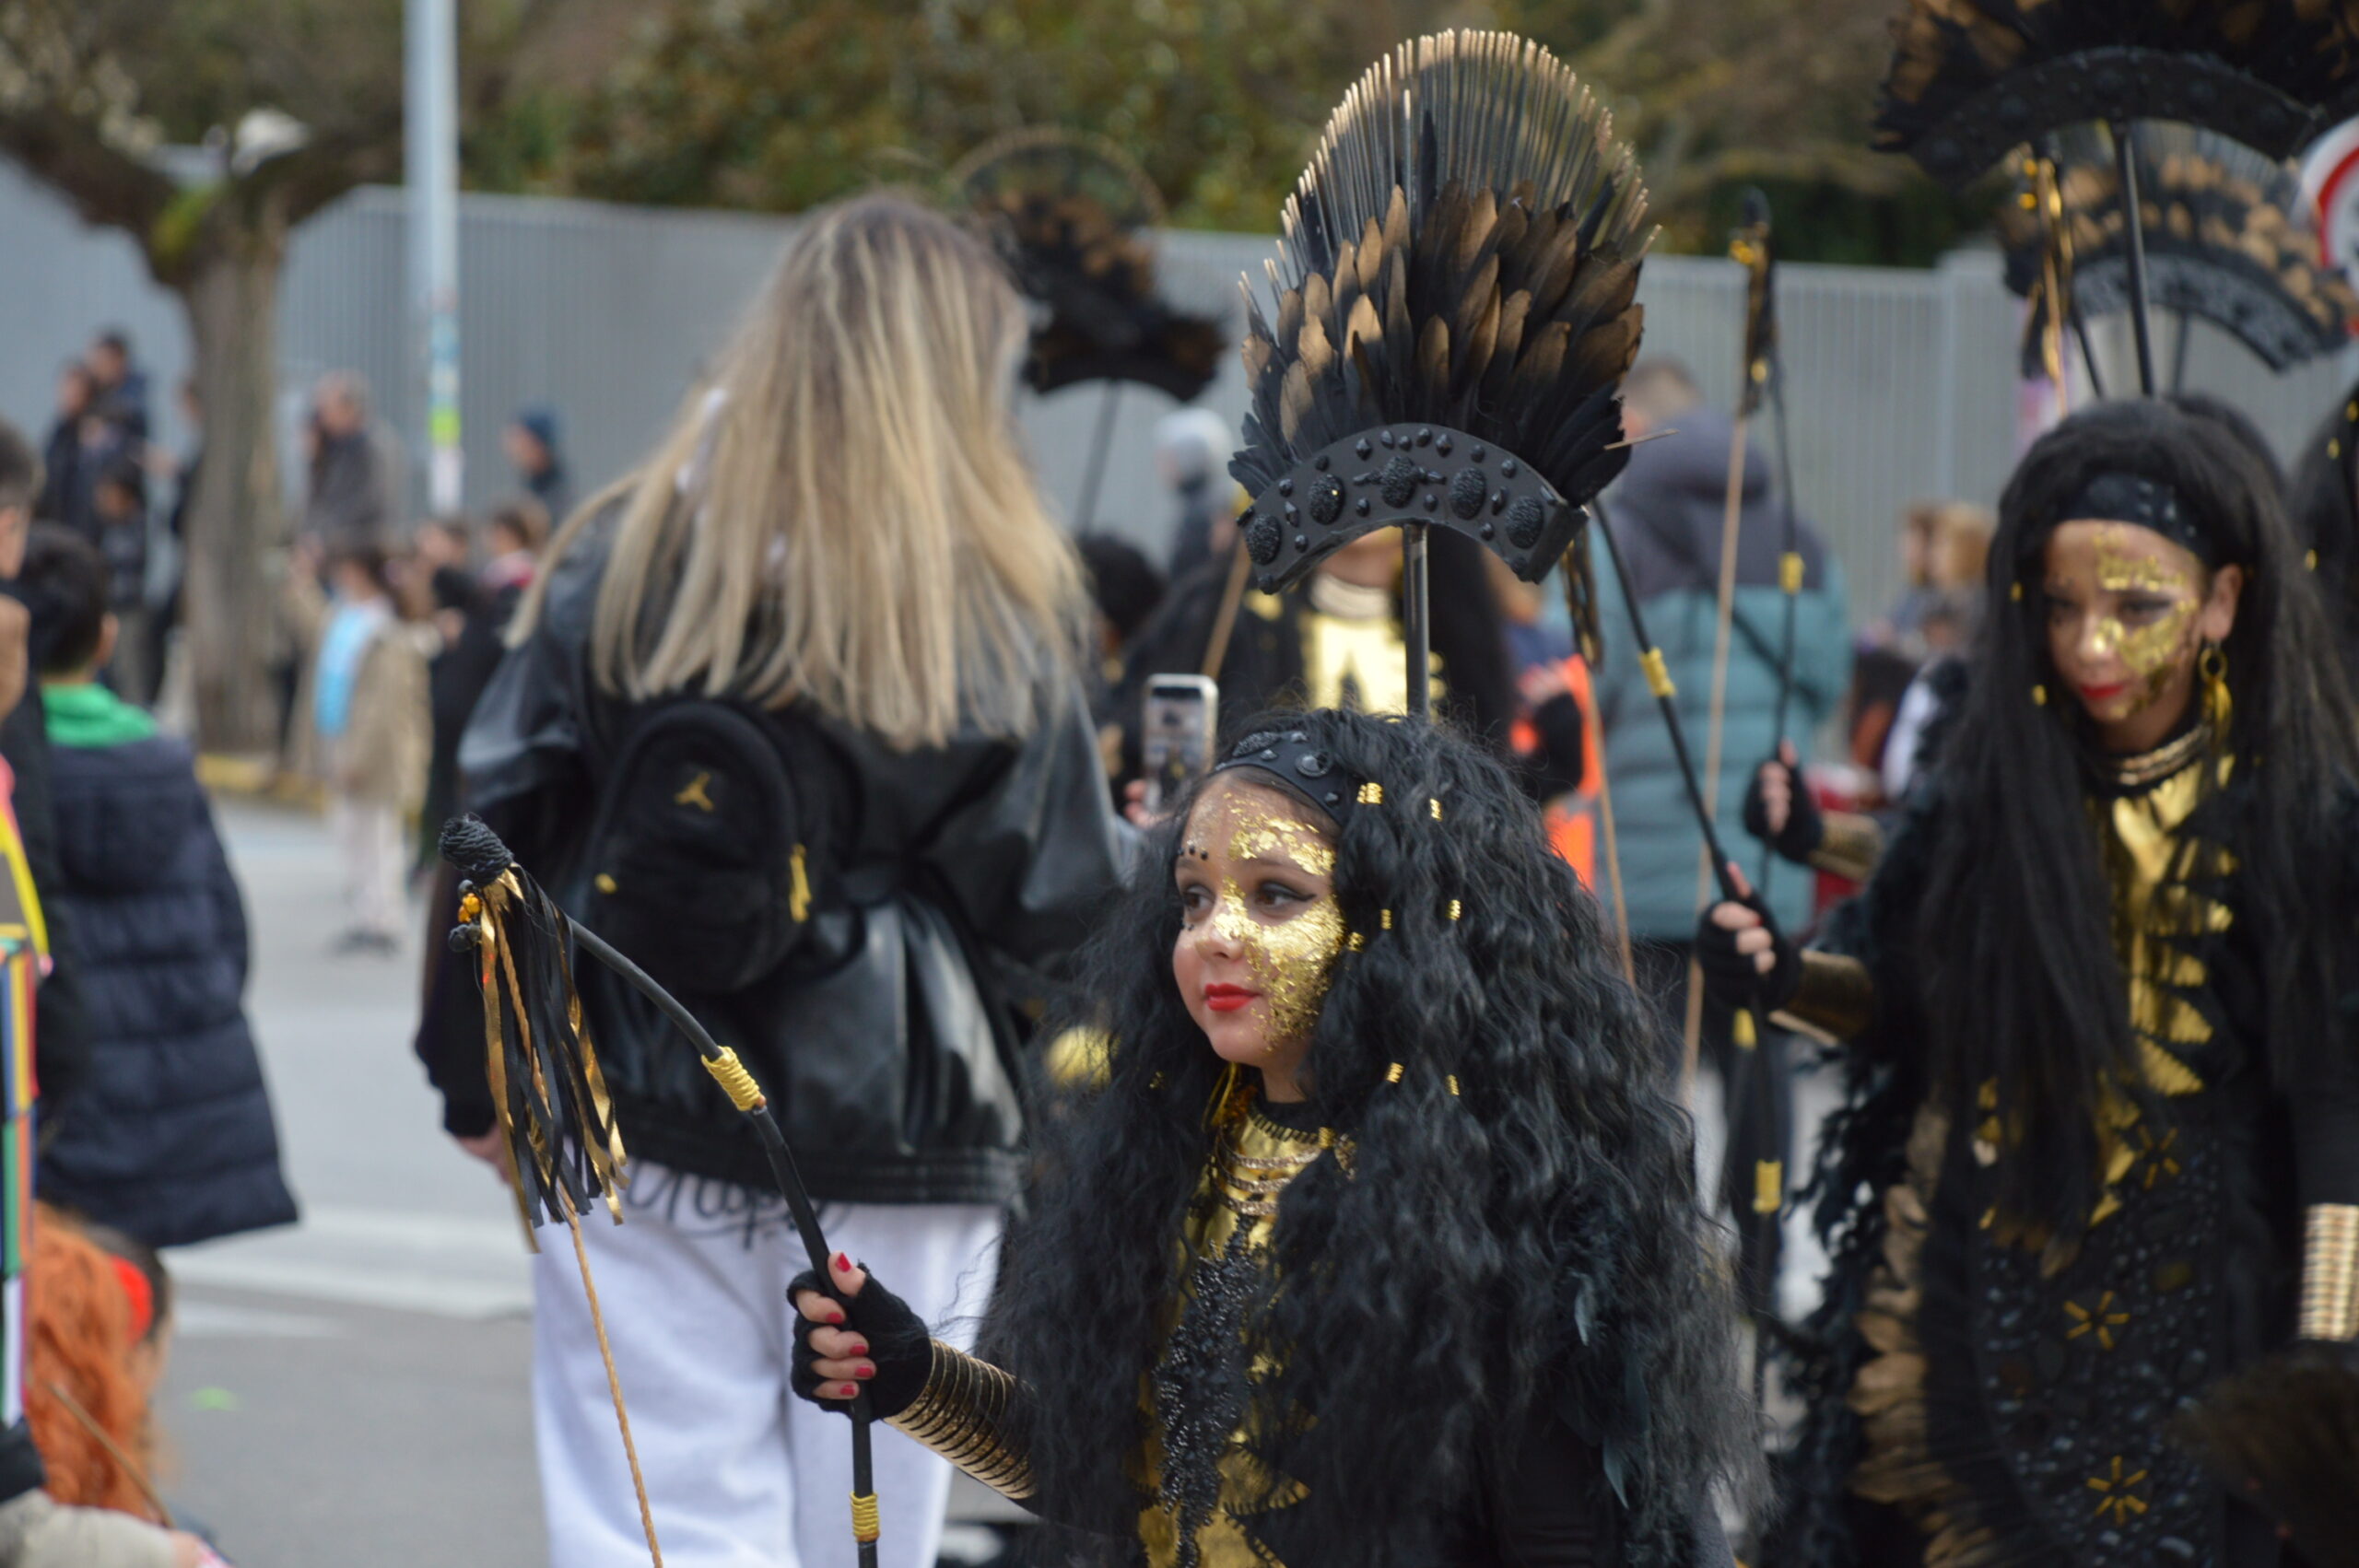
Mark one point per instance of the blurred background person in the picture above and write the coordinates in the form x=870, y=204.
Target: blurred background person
x=841, y=546
x=371, y=729
x=1124, y=589
x=1943, y=547
x=1192, y=451
x=473, y=608
x=1668, y=513
x=70, y=462
x=533, y=452
x=192, y=1154
x=119, y=391
x=353, y=495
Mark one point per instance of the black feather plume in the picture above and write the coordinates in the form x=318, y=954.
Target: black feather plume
x=2224, y=241
x=1463, y=253
x=1073, y=220
x=1971, y=79
x=557, y=1121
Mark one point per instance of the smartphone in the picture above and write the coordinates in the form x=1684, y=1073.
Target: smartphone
x=1176, y=739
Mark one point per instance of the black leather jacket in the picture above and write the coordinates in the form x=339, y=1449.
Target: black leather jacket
x=894, y=1071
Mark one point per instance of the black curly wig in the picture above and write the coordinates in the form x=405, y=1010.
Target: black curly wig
x=2012, y=998
x=1530, y=1244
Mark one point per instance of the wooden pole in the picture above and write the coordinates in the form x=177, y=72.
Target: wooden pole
x=1732, y=513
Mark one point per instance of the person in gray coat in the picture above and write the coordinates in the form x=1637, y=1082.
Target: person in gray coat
x=1667, y=514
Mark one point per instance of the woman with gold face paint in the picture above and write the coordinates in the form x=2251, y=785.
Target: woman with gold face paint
x=1378, y=1242
x=2103, y=1150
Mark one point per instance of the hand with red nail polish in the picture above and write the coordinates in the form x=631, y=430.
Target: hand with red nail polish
x=854, y=1336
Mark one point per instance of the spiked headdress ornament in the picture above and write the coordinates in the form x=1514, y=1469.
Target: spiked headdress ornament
x=2224, y=241
x=1074, y=220
x=1972, y=80
x=1455, y=305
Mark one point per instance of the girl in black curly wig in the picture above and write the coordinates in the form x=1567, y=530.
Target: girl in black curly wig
x=2099, y=999
x=1378, y=1242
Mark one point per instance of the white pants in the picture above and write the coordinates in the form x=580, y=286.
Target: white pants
x=740, y=1473
x=368, y=846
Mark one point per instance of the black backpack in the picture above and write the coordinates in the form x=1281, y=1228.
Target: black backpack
x=719, y=834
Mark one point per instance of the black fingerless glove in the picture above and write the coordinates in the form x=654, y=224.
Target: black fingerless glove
x=897, y=1344
x=1731, y=978
x=1804, y=830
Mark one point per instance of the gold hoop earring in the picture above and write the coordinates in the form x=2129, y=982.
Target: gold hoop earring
x=2219, y=707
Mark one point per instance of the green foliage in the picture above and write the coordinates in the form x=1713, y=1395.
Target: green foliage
x=781, y=104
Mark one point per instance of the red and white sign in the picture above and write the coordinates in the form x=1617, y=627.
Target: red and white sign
x=2330, y=190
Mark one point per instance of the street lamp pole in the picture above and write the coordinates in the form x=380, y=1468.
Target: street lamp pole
x=430, y=172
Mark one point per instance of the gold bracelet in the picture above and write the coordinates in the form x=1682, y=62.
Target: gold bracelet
x=1834, y=995
x=2330, y=1273
x=962, y=1414
x=1851, y=845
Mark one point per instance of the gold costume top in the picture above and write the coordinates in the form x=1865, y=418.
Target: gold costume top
x=1353, y=653
x=1227, y=1235
x=962, y=1412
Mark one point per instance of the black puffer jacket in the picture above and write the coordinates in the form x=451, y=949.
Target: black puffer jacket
x=170, y=1137
x=894, y=1073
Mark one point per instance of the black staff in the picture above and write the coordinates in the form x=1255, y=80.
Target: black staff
x=550, y=1094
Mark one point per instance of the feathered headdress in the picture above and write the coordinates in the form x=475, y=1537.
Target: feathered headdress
x=1455, y=307
x=2223, y=242
x=1971, y=79
x=1074, y=220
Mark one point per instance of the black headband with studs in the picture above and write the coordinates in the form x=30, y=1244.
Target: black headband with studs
x=2115, y=497
x=1290, y=757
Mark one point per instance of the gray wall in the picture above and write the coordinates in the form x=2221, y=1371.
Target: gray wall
x=1902, y=382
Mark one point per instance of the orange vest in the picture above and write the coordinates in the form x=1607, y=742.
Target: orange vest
x=1572, y=819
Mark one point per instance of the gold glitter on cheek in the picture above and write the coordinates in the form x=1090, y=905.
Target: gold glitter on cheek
x=1293, y=960
x=2157, y=652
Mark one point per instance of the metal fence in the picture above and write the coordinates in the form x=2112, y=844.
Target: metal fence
x=1902, y=382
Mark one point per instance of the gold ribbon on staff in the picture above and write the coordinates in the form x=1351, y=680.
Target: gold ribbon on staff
x=490, y=908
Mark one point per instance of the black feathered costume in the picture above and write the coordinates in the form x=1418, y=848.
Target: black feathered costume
x=1993, y=1386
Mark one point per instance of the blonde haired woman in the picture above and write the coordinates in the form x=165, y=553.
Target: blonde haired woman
x=838, y=548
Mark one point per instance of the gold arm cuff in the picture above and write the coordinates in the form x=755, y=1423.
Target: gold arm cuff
x=2330, y=1273
x=1850, y=847
x=1834, y=995
x=962, y=1414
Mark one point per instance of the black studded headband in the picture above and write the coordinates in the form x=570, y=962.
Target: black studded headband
x=1290, y=757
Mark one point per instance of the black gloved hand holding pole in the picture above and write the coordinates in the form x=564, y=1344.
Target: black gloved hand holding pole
x=1733, y=976
x=1799, y=837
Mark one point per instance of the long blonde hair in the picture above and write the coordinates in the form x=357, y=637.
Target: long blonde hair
x=846, y=515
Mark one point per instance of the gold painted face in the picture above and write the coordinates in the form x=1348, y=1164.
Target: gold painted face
x=1261, y=928
x=2123, y=603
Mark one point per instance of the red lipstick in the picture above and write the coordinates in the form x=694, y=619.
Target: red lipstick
x=2103, y=693
x=1228, y=999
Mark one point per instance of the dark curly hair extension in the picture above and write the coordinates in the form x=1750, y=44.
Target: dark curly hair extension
x=2022, y=984
x=1533, y=1242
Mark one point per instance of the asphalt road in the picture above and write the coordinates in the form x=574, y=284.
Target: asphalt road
x=352, y=1390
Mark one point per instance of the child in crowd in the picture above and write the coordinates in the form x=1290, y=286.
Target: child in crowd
x=97, y=1334
x=368, y=712
x=163, y=943
x=36, y=1530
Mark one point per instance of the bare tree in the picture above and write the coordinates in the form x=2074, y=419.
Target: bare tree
x=300, y=100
